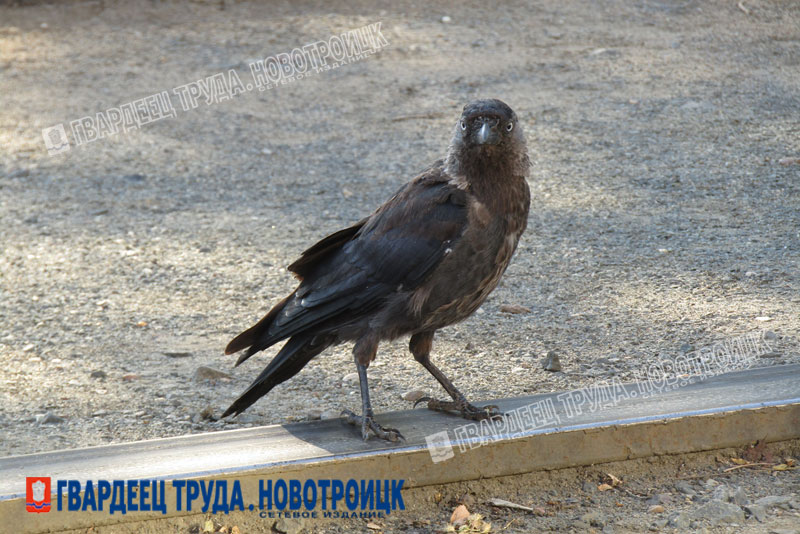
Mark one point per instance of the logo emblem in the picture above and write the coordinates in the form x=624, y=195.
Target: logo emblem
x=55, y=139
x=37, y=494
x=439, y=446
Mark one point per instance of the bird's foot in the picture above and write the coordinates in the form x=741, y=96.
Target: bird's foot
x=367, y=423
x=464, y=408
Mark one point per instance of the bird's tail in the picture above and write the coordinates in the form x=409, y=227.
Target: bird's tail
x=252, y=338
x=294, y=355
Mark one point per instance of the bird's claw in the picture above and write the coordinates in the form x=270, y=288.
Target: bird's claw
x=421, y=400
x=464, y=408
x=367, y=423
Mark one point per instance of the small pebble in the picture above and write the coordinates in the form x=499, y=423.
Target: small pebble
x=514, y=309
x=551, y=362
x=771, y=501
x=721, y=493
x=739, y=497
x=288, y=526
x=413, y=395
x=350, y=378
x=208, y=373
x=679, y=520
x=685, y=488
x=177, y=354
x=594, y=518
x=246, y=418
x=756, y=511
x=49, y=418
x=719, y=512
x=659, y=498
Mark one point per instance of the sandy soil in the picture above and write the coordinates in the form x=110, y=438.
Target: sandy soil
x=665, y=198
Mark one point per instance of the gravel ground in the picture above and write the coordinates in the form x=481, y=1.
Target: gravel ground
x=665, y=187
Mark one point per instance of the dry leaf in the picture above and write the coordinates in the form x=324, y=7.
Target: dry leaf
x=781, y=467
x=373, y=526
x=738, y=461
x=235, y=530
x=614, y=481
x=476, y=524
x=539, y=511
x=790, y=461
x=604, y=487
x=460, y=515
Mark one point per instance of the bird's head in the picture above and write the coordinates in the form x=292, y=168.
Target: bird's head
x=487, y=133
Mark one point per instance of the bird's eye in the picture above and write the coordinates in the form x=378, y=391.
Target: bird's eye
x=510, y=126
x=463, y=125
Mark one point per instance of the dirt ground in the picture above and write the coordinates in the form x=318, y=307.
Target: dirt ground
x=665, y=185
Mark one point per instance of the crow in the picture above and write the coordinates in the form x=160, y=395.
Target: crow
x=425, y=259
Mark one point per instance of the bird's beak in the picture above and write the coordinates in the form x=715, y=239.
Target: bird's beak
x=487, y=134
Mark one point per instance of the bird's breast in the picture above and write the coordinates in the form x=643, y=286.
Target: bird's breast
x=466, y=277
x=477, y=260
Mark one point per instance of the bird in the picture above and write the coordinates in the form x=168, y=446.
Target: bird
x=425, y=259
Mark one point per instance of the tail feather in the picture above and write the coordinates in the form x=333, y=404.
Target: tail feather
x=294, y=355
x=250, y=337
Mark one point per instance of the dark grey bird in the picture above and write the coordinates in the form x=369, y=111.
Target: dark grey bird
x=425, y=259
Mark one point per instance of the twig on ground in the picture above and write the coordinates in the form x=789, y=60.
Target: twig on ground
x=431, y=115
x=755, y=464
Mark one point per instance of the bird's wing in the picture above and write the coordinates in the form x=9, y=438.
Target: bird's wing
x=314, y=255
x=352, y=271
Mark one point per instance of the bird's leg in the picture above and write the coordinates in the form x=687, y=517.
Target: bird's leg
x=420, y=347
x=366, y=419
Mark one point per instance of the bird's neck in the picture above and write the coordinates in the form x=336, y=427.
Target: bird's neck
x=498, y=183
